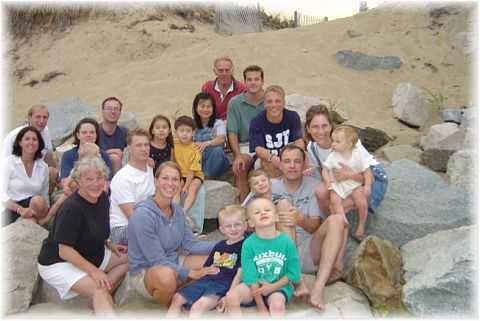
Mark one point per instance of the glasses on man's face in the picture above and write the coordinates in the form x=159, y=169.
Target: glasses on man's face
x=232, y=226
x=114, y=109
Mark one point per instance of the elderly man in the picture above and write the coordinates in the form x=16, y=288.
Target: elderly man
x=224, y=86
x=321, y=240
x=37, y=117
x=273, y=129
x=132, y=184
x=113, y=138
x=241, y=110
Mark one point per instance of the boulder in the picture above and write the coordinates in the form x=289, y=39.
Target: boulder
x=436, y=159
x=376, y=270
x=301, y=104
x=128, y=119
x=461, y=169
x=440, y=274
x=218, y=194
x=392, y=153
x=418, y=202
x=372, y=138
x=47, y=294
x=64, y=116
x=360, y=61
x=410, y=105
x=437, y=134
x=21, y=241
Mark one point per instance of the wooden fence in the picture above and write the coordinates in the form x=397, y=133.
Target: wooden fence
x=234, y=19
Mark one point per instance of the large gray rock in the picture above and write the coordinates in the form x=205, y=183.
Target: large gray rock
x=418, y=202
x=372, y=138
x=440, y=274
x=301, y=104
x=360, y=61
x=64, y=115
x=436, y=159
x=21, y=242
x=461, y=169
x=437, y=137
x=392, y=153
x=410, y=105
x=218, y=194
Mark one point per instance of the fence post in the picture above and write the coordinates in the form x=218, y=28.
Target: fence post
x=295, y=19
x=259, y=18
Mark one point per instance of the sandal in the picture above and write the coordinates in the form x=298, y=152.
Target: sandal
x=359, y=238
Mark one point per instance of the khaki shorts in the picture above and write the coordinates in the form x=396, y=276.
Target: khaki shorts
x=306, y=260
x=137, y=281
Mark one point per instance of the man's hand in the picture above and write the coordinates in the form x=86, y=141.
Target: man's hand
x=118, y=249
x=240, y=163
x=196, y=274
x=276, y=161
x=289, y=217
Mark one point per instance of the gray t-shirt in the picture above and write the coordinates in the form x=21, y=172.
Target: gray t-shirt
x=303, y=199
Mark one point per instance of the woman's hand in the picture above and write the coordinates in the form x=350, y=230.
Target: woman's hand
x=196, y=274
x=343, y=173
x=202, y=145
x=101, y=279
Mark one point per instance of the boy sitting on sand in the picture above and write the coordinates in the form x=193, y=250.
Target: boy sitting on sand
x=270, y=264
x=204, y=294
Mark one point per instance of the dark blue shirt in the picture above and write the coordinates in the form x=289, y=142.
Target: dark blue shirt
x=117, y=140
x=274, y=136
x=71, y=156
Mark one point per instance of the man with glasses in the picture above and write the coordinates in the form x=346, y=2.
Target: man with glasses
x=113, y=138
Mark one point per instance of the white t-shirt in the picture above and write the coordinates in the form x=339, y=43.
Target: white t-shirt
x=219, y=127
x=10, y=138
x=129, y=185
x=17, y=185
x=357, y=162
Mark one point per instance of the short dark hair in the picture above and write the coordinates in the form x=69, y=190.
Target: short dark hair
x=184, y=121
x=17, y=149
x=86, y=120
x=112, y=98
x=292, y=147
x=196, y=116
x=252, y=68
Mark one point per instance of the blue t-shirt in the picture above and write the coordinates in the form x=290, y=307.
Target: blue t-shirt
x=117, y=140
x=274, y=136
x=71, y=156
x=227, y=258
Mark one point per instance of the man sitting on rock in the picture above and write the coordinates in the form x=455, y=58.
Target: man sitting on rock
x=37, y=117
x=113, y=138
x=241, y=110
x=321, y=240
x=224, y=86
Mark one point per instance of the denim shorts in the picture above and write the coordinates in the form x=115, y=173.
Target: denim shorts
x=379, y=187
x=265, y=299
x=197, y=289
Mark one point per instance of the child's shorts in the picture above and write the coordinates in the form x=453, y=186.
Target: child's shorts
x=197, y=289
x=265, y=299
x=379, y=187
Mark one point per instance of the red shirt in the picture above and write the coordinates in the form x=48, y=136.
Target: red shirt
x=209, y=87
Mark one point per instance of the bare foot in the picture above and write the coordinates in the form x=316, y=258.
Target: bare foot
x=302, y=291
x=316, y=297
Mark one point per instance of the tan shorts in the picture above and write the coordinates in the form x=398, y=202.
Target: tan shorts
x=306, y=260
x=137, y=281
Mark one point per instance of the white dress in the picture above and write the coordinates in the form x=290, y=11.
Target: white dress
x=357, y=162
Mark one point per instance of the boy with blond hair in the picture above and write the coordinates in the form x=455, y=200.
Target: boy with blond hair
x=270, y=264
x=204, y=294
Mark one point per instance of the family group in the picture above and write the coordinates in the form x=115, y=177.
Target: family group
x=121, y=200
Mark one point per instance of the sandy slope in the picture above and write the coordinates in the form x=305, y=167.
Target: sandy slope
x=154, y=69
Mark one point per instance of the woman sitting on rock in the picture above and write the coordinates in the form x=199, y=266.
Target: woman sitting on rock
x=86, y=131
x=77, y=258
x=25, y=189
x=209, y=135
x=318, y=129
x=157, y=231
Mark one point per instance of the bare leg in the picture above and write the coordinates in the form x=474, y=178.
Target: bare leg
x=284, y=206
x=204, y=304
x=236, y=296
x=161, y=283
x=323, y=198
x=39, y=205
x=53, y=209
x=176, y=306
x=361, y=203
x=276, y=304
x=326, y=244
x=337, y=206
x=52, y=181
x=241, y=182
x=116, y=269
x=101, y=299
x=191, y=194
